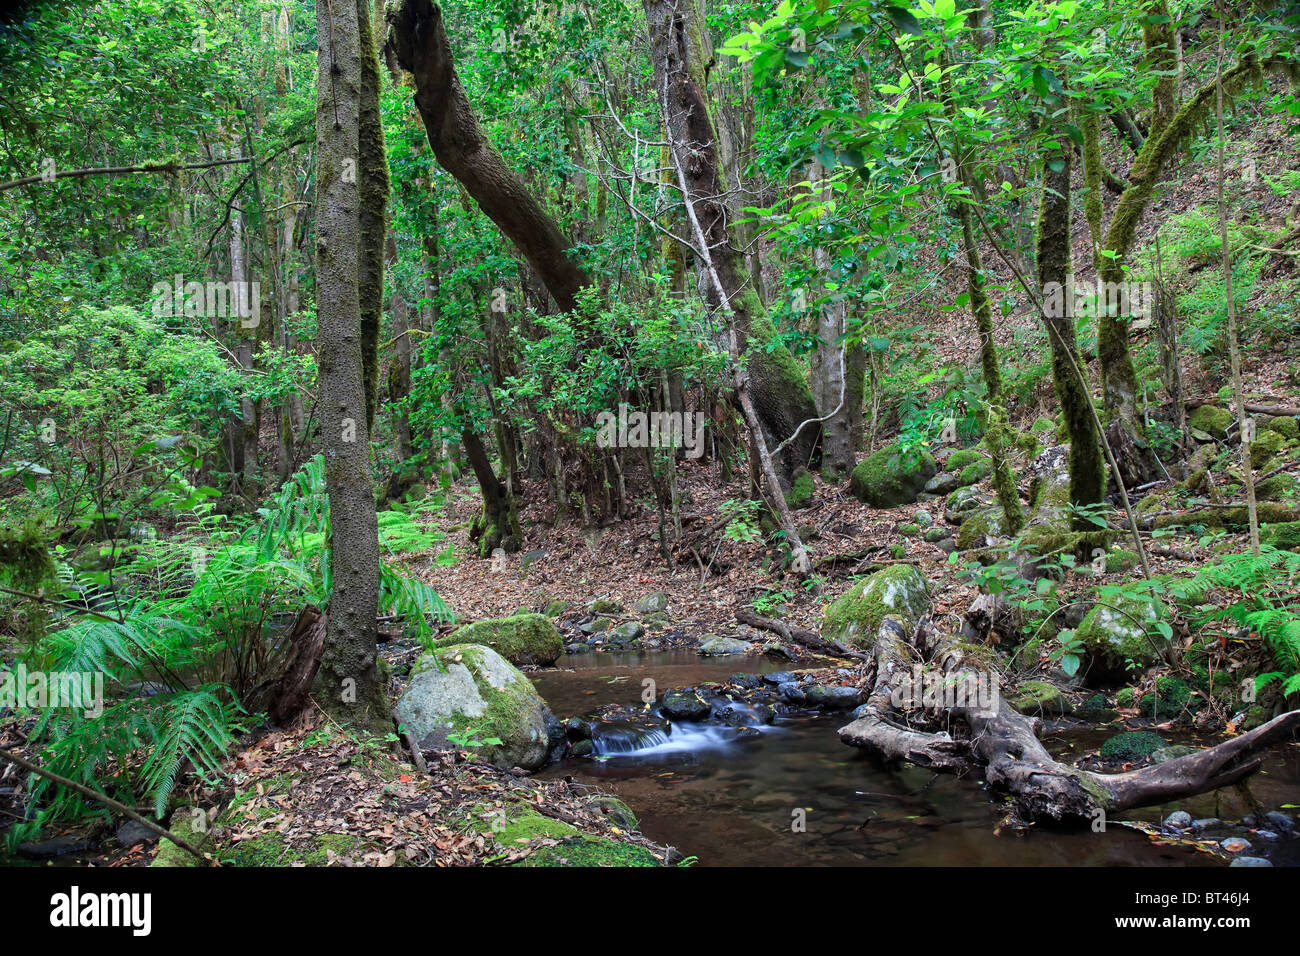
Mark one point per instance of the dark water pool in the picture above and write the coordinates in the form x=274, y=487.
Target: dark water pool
x=741, y=802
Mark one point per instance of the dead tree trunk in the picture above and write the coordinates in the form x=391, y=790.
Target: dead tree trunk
x=967, y=725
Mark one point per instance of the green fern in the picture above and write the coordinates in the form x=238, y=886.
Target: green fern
x=1268, y=603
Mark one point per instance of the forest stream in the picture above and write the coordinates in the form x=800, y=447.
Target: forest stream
x=729, y=797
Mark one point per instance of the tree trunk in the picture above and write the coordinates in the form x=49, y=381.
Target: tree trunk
x=498, y=525
x=372, y=183
x=348, y=679
x=1087, y=467
x=836, y=371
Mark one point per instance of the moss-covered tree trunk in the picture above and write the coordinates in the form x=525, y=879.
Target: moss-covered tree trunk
x=348, y=681
x=1125, y=429
x=1087, y=467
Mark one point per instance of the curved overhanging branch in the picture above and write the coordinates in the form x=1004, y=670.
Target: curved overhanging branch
x=419, y=39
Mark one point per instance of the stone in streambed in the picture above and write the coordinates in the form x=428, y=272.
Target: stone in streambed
x=721, y=646
x=684, y=704
x=833, y=697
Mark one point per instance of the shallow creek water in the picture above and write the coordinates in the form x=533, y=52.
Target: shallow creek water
x=732, y=802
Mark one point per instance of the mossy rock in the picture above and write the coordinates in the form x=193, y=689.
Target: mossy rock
x=1279, y=486
x=1043, y=426
x=1265, y=446
x=605, y=606
x=1120, y=560
x=910, y=529
x=1039, y=697
x=973, y=529
x=1126, y=697
x=1285, y=426
x=801, y=490
x=1212, y=420
x=1284, y=535
x=892, y=477
x=976, y=471
x=556, y=608
x=516, y=826
x=855, y=617
x=1152, y=502
x=472, y=692
x=1096, y=708
x=591, y=851
x=1123, y=629
x=961, y=458
x=1171, y=699
x=190, y=824
x=1131, y=745
x=520, y=639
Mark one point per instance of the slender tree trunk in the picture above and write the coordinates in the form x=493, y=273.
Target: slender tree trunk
x=1087, y=466
x=372, y=182
x=348, y=680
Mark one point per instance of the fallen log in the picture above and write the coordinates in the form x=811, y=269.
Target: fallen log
x=987, y=733
x=808, y=639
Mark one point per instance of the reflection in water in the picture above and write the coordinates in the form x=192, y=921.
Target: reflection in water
x=737, y=797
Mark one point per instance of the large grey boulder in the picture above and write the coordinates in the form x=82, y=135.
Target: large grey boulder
x=473, y=692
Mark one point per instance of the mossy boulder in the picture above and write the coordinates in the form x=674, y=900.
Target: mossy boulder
x=1122, y=629
x=1043, y=426
x=1132, y=745
x=1126, y=697
x=961, y=458
x=1265, y=446
x=856, y=616
x=892, y=477
x=656, y=603
x=1279, y=486
x=606, y=606
x=1284, y=535
x=722, y=646
x=553, y=842
x=1212, y=420
x=473, y=692
x=1120, y=560
x=1039, y=697
x=556, y=608
x=1285, y=426
x=976, y=471
x=987, y=522
x=801, y=490
x=520, y=639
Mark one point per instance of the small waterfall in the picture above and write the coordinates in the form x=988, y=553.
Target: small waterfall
x=625, y=737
